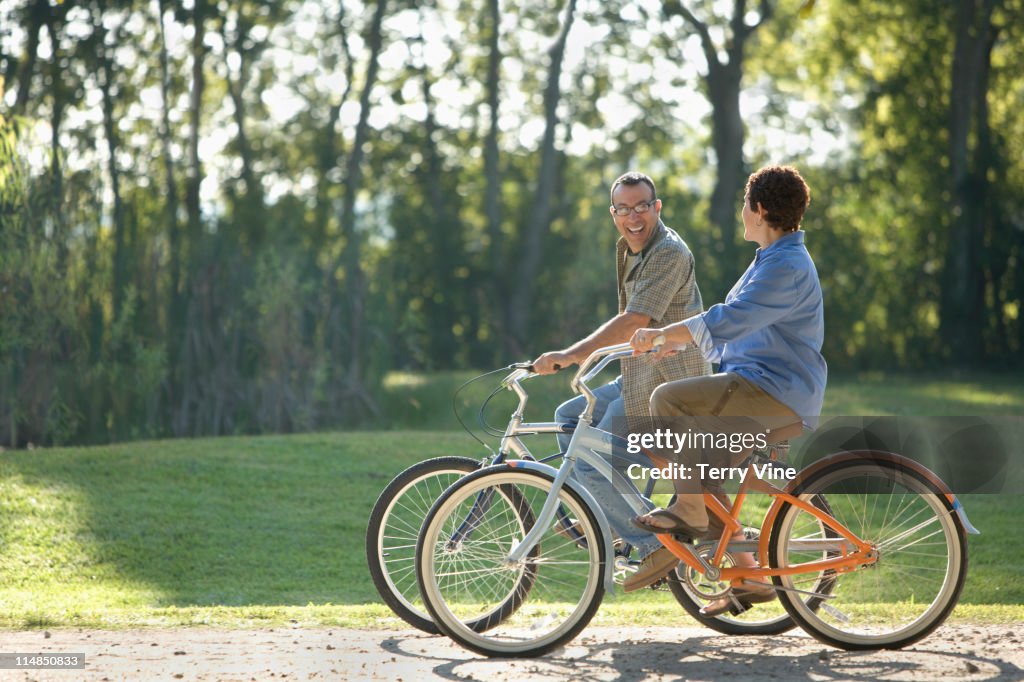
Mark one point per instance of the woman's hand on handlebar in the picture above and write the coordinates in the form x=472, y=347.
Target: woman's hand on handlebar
x=645, y=339
x=551, y=362
x=662, y=342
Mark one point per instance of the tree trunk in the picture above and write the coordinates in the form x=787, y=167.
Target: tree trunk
x=724, y=82
x=327, y=152
x=191, y=331
x=120, y=279
x=236, y=90
x=727, y=140
x=521, y=298
x=963, y=283
x=175, y=316
x=356, y=401
x=445, y=237
x=195, y=177
x=57, y=95
x=174, y=331
x=38, y=15
x=327, y=343
x=498, y=287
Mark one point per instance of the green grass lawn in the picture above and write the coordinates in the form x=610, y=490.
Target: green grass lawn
x=252, y=531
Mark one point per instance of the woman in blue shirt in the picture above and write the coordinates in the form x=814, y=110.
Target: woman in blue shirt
x=767, y=339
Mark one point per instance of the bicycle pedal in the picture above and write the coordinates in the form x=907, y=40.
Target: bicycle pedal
x=741, y=608
x=735, y=610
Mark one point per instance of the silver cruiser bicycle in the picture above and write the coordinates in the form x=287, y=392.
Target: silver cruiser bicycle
x=399, y=511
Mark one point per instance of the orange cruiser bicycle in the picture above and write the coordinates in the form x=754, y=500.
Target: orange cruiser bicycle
x=865, y=549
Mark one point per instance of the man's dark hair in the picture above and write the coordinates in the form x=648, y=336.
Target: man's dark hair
x=782, y=192
x=633, y=178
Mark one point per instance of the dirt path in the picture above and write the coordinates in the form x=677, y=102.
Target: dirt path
x=954, y=652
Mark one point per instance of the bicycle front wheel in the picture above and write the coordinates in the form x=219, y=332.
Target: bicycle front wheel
x=465, y=575
x=921, y=551
x=394, y=526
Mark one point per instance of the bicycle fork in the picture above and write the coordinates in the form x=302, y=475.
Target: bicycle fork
x=585, y=439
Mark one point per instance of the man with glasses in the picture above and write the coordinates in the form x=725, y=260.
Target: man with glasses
x=657, y=286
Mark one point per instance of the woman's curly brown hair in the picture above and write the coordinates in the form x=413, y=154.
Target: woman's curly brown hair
x=782, y=192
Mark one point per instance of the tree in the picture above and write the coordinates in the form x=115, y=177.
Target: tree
x=723, y=82
x=175, y=299
x=521, y=298
x=356, y=400
x=498, y=290
x=106, y=71
x=971, y=159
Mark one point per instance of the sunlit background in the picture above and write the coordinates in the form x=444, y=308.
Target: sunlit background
x=241, y=216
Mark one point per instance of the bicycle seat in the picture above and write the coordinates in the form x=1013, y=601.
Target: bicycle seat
x=784, y=433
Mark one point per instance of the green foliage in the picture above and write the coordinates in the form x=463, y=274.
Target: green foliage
x=36, y=315
x=155, y=312
x=890, y=192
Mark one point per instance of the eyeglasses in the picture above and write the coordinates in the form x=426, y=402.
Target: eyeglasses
x=639, y=209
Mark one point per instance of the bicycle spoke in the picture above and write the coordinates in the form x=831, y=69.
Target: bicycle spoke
x=471, y=578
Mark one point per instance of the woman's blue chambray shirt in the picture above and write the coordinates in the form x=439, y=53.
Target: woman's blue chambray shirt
x=771, y=326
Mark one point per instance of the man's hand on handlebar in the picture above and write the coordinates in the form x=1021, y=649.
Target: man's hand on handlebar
x=551, y=362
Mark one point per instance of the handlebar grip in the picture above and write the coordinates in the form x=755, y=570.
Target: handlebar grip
x=529, y=368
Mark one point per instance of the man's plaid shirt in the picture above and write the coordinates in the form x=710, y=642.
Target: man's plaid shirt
x=663, y=286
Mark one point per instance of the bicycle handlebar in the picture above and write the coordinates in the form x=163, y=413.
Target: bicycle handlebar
x=599, y=359
x=589, y=369
x=609, y=355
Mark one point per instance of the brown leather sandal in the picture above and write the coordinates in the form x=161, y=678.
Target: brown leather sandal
x=738, y=601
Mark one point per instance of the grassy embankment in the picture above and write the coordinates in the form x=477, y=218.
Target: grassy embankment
x=260, y=531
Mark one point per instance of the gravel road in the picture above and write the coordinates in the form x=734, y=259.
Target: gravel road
x=957, y=652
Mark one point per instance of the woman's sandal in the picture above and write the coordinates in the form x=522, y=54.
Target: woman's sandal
x=736, y=602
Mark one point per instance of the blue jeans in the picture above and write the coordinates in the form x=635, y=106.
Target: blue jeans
x=609, y=415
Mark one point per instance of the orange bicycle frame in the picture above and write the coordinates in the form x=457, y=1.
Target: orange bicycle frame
x=862, y=552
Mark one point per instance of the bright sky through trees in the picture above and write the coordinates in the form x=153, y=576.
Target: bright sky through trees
x=426, y=39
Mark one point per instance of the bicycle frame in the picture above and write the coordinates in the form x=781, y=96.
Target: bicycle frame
x=853, y=552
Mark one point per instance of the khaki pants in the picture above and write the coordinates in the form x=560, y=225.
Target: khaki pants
x=724, y=403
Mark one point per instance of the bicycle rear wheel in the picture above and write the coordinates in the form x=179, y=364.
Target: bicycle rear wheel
x=464, y=574
x=921, y=547
x=394, y=526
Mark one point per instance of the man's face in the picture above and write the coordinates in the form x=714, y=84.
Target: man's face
x=636, y=228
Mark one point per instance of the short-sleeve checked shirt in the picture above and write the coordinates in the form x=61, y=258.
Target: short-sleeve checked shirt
x=662, y=285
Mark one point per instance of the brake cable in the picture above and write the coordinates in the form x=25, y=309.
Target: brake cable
x=455, y=406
